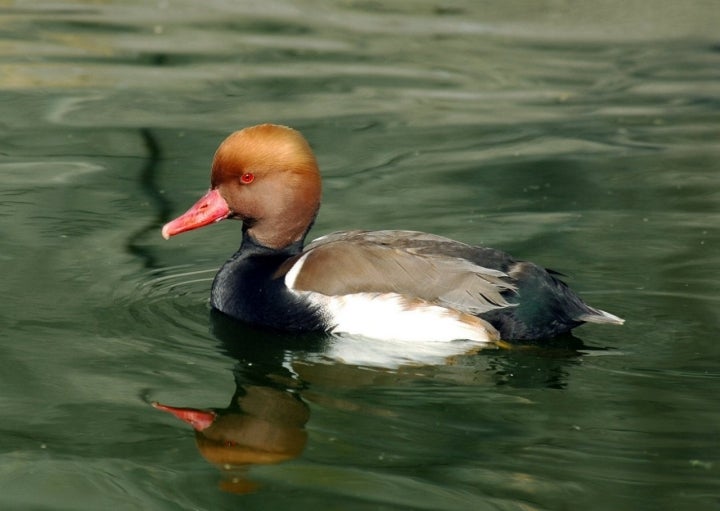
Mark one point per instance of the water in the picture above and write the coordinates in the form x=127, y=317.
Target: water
x=581, y=136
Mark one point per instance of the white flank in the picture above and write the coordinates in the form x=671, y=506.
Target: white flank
x=389, y=330
x=392, y=317
x=385, y=330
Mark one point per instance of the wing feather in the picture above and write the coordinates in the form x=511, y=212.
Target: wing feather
x=409, y=263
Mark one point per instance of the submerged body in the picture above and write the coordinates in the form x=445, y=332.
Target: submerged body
x=383, y=284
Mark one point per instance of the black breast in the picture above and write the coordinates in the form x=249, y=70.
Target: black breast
x=248, y=288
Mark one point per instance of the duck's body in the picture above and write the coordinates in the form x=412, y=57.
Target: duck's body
x=384, y=284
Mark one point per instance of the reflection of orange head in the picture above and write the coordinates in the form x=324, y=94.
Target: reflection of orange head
x=267, y=429
x=235, y=440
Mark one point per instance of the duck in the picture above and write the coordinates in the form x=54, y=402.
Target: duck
x=398, y=285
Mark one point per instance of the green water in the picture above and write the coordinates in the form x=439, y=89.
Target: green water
x=583, y=136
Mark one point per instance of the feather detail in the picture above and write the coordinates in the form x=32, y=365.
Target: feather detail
x=398, y=262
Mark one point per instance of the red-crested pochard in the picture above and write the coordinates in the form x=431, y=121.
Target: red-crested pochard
x=400, y=285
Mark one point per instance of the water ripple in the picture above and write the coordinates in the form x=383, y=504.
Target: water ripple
x=172, y=300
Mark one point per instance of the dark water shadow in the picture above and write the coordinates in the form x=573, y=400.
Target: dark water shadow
x=258, y=345
x=147, y=180
x=538, y=365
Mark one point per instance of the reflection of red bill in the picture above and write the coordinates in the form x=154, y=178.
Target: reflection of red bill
x=198, y=419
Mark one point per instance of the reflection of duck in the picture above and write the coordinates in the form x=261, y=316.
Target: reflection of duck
x=262, y=426
x=387, y=284
x=277, y=374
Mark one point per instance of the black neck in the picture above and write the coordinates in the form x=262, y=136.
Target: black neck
x=250, y=246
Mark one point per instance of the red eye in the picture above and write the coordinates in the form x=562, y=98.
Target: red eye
x=247, y=178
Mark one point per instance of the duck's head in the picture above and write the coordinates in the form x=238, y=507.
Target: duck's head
x=266, y=176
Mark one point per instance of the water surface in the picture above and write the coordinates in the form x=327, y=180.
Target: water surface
x=583, y=137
